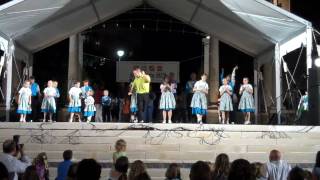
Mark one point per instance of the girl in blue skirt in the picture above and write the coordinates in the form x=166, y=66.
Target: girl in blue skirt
x=246, y=104
x=225, y=101
x=167, y=100
x=74, y=101
x=48, y=103
x=24, y=101
x=199, y=103
x=89, y=109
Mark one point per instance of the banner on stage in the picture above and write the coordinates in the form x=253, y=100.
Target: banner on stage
x=156, y=69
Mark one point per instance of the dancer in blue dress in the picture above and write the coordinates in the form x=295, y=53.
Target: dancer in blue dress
x=133, y=107
x=199, y=102
x=48, y=103
x=246, y=104
x=167, y=100
x=24, y=101
x=225, y=101
x=74, y=101
x=89, y=109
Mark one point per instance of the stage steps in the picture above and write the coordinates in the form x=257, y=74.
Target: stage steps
x=160, y=144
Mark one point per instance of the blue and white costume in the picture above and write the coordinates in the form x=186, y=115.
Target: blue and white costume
x=75, y=101
x=133, y=103
x=89, y=109
x=225, y=100
x=199, y=102
x=167, y=100
x=48, y=102
x=84, y=90
x=246, y=102
x=24, y=96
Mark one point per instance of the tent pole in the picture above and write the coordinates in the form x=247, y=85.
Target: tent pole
x=277, y=66
x=9, y=80
x=256, y=90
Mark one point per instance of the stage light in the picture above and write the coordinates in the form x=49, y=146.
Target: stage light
x=208, y=37
x=317, y=62
x=120, y=53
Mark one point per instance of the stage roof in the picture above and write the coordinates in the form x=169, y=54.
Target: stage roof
x=252, y=26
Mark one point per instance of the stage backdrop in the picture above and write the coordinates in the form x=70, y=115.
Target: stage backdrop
x=156, y=69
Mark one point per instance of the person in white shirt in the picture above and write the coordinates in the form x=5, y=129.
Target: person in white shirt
x=9, y=159
x=276, y=169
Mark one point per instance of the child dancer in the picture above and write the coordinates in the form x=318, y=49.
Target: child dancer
x=133, y=107
x=106, y=105
x=75, y=101
x=55, y=85
x=225, y=101
x=167, y=101
x=24, y=101
x=120, y=147
x=246, y=104
x=89, y=109
x=199, y=100
x=48, y=102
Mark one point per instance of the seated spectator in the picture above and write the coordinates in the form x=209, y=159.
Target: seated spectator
x=316, y=168
x=173, y=172
x=296, y=173
x=308, y=175
x=276, y=169
x=42, y=167
x=88, y=169
x=31, y=173
x=120, y=169
x=136, y=168
x=221, y=167
x=257, y=170
x=240, y=170
x=63, y=167
x=72, y=172
x=13, y=165
x=4, y=174
x=143, y=176
x=200, y=171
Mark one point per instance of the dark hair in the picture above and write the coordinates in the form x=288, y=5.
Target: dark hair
x=88, y=169
x=31, y=78
x=67, y=155
x=9, y=146
x=221, y=166
x=173, y=171
x=296, y=173
x=143, y=176
x=256, y=169
x=30, y=173
x=136, y=168
x=122, y=166
x=200, y=171
x=72, y=172
x=240, y=170
x=4, y=174
x=317, y=164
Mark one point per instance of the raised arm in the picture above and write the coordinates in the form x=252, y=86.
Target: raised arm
x=233, y=76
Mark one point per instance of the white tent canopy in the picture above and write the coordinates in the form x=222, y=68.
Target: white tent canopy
x=255, y=27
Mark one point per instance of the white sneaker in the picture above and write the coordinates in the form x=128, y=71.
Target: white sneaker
x=199, y=121
x=164, y=121
x=135, y=121
x=170, y=122
x=141, y=121
x=247, y=122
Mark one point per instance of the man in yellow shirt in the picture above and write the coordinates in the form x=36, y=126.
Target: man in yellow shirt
x=141, y=86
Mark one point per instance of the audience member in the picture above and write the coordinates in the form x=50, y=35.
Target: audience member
x=296, y=173
x=143, y=176
x=42, y=167
x=173, y=172
x=257, y=170
x=308, y=175
x=276, y=169
x=240, y=170
x=200, y=171
x=316, y=168
x=31, y=173
x=63, y=167
x=120, y=147
x=88, y=169
x=4, y=174
x=11, y=162
x=120, y=169
x=72, y=172
x=221, y=167
x=137, y=168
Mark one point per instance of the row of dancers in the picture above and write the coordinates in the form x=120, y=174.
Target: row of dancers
x=81, y=99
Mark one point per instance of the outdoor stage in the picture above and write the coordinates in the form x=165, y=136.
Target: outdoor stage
x=160, y=144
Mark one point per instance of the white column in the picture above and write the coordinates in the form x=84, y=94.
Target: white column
x=256, y=90
x=9, y=79
x=214, y=70
x=75, y=59
x=277, y=69
x=206, y=47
